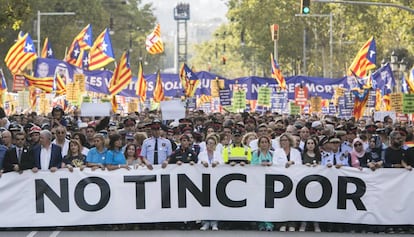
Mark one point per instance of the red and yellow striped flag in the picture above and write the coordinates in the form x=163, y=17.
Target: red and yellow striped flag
x=141, y=88
x=101, y=52
x=277, y=73
x=365, y=59
x=153, y=43
x=159, y=90
x=122, y=75
x=20, y=54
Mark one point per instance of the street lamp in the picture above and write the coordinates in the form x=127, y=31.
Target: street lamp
x=398, y=69
x=39, y=14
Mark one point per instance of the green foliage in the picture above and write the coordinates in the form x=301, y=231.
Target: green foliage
x=132, y=22
x=352, y=26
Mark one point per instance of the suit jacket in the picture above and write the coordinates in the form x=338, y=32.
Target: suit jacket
x=10, y=159
x=55, y=159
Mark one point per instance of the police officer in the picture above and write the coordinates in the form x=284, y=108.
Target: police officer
x=184, y=154
x=237, y=152
x=155, y=149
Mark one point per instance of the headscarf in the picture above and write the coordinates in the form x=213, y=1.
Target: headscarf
x=355, y=155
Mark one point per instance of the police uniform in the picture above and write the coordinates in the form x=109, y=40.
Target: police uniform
x=164, y=149
x=237, y=154
x=327, y=158
x=184, y=156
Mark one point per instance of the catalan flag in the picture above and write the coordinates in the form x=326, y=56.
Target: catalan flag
x=203, y=100
x=43, y=83
x=189, y=80
x=59, y=86
x=159, y=90
x=141, y=88
x=122, y=75
x=365, y=59
x=74, y=54
x=360, y=102
x=277, y=73
x=153, y=43
x=47, y=51
x=101, y=52
x=83, y=41
x=410, y=80
x=47, y=84
x=20, y=54
x=3, y=86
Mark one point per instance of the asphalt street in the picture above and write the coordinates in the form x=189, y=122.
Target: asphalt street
x=178, y=233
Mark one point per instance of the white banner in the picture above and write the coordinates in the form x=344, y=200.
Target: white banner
x=186, y=193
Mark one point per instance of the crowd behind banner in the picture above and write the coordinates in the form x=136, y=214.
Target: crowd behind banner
x=349, y=150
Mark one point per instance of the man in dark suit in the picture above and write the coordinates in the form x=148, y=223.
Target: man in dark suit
x=47, y=156
x=17, y=158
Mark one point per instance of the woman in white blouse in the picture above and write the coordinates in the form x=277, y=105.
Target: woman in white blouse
x=287, y=155
x=210, y=157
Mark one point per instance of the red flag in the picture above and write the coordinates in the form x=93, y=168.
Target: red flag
x=122, y=75
x=141, y=89
x=159, y=90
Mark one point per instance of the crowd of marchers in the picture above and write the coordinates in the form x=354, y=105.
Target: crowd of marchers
x=69, y=141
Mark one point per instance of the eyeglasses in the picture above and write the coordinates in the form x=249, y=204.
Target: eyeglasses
x=60, y=132
x=357, y=144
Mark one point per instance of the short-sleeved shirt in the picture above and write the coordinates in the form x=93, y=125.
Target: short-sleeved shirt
x=115, y=158
x=164, y=149
x=94, y=156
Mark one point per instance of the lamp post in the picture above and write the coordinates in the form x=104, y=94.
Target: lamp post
x=39, y=14
x=398, y=69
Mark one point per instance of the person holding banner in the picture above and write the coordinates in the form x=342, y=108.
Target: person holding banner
x=47, y=156
x=74, y=158
x=264, y=156
x=395, y=156
x=155, y=150
x=96, y=157
x=115, y=158
x=17, y=158
x=184, y=154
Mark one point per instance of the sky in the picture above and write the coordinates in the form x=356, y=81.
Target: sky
x=200, y=10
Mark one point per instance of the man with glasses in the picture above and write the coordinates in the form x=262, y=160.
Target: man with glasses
x=60, y=140
x=17, y=158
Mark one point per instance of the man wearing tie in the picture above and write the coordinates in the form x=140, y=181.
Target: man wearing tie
x=155, y=149
x=17, y=158
x=47, y=156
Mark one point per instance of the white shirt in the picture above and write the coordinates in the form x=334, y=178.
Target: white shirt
x=217, y=157
x=45, y=155
x=254, y=146
x=280, y=157
x=65, y=147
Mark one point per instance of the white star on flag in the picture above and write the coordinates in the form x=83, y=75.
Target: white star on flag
x=85, y=37
x=189, y=75
x=29, y=47
x=50, y=52
x=76, y=52
x=104, y=46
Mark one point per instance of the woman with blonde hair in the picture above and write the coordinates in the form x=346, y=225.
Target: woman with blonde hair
x=248, y=137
